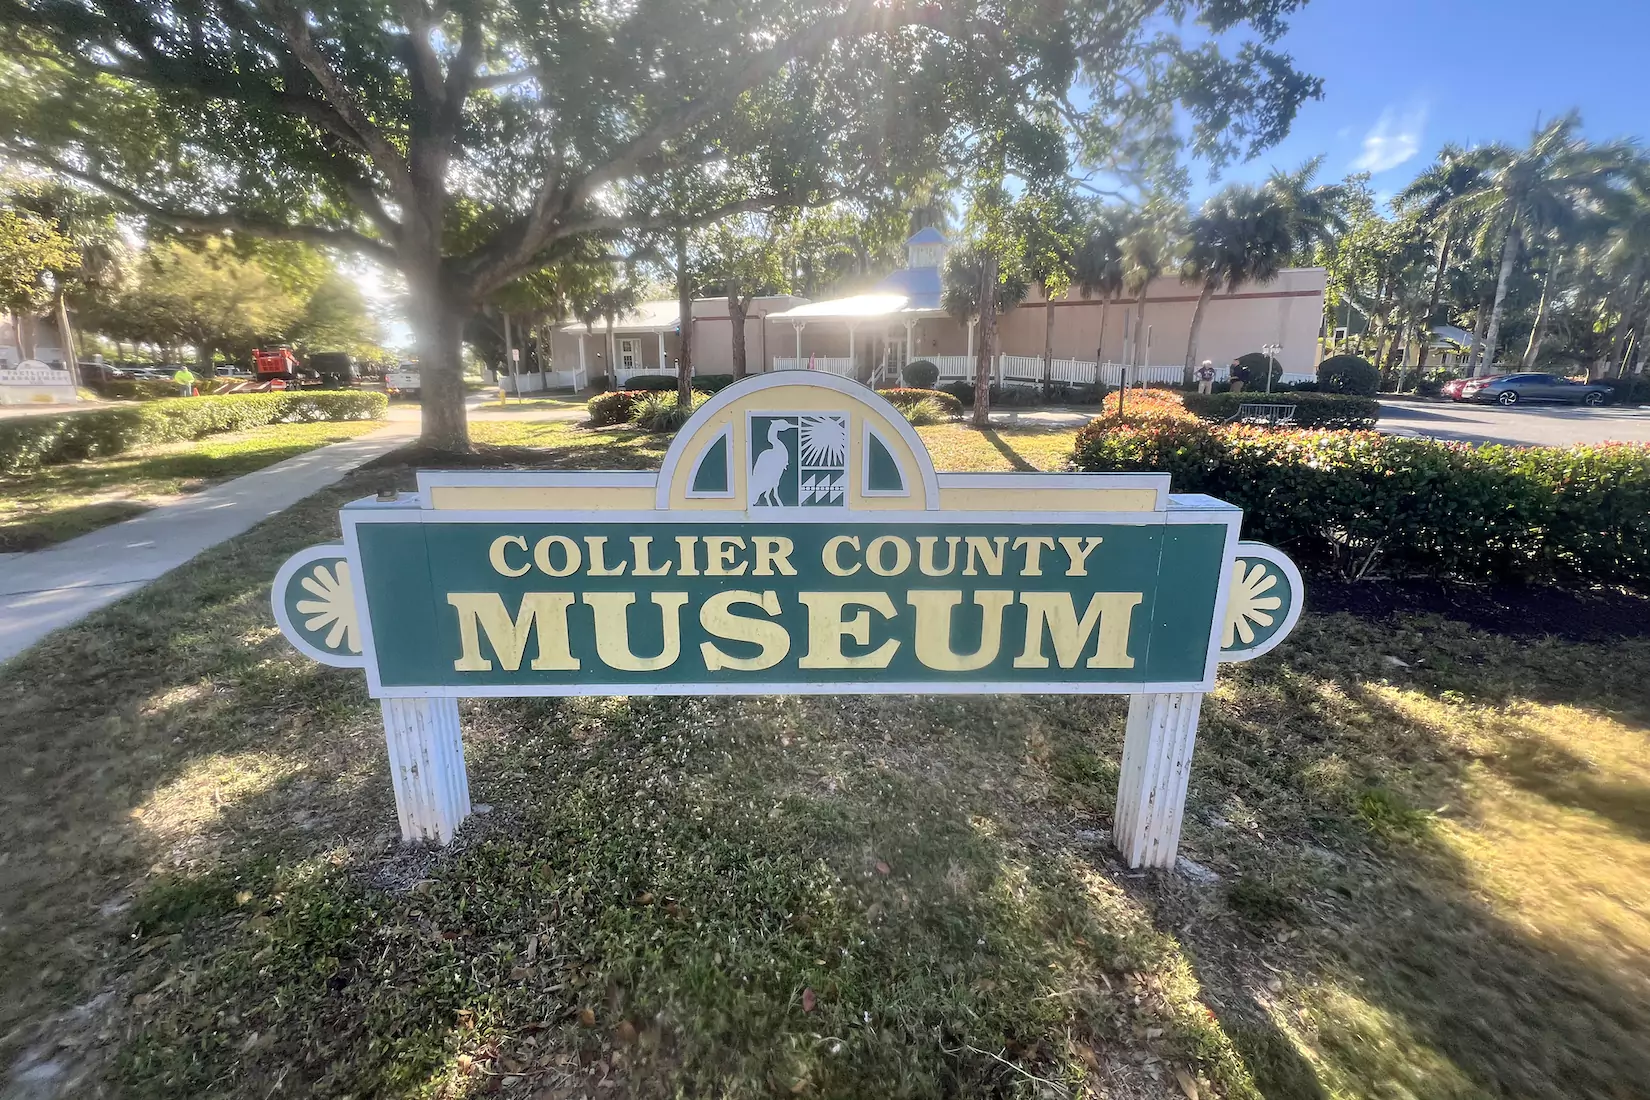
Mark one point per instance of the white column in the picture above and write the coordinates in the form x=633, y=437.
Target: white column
x=909, y=326
x=432, y=790
x=851, y=327
x=662, y=369
x=583, y=369
x=797, y=362
x=1151, y=791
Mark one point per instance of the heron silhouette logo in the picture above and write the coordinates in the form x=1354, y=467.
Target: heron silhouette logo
x=798, y=460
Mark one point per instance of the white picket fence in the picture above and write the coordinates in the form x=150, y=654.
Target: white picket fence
x=841, y=365
x=1029, y=368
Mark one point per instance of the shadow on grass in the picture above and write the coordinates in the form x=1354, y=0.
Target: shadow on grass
x=23, y=531
x=1015, y=458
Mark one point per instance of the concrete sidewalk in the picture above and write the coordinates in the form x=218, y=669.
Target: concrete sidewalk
x=48, y=589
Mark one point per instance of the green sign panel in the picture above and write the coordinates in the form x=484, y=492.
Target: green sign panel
x=797, y=539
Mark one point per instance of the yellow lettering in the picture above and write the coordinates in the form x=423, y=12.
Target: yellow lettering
x=1112, y=611
x=833, y=555
x=773, y=552
x=827, y=628
x=573, y=556
x=719, y=552
x=598, y=558
x=496, y=555
x=642, y=546
x=933, y=633
x=1034, y=547
x=613, y=629
x=989, y=555
x=925, y=555
x=717, y=617
x=874, y=556
x=1078, y=550
x=684, y=552
x=544, y=614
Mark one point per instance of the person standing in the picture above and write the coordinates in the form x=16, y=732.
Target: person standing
x=185, y=381
x=1239, y=374
x=1206, y=377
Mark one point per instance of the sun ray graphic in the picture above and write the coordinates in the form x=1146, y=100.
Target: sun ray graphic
x=824, y=440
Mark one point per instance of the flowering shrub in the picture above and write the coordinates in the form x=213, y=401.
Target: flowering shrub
x=1354, y=503
x=617, y=407
x=1312, y=410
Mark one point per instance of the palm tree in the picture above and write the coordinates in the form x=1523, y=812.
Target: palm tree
x=1150, y=246
x=1623, y=259
x=978, y=284
x=1535, y=190
x=1435, y=193
x=1312, y=215
x=1097, y=269
x=1046, y=223
x=1242, y=235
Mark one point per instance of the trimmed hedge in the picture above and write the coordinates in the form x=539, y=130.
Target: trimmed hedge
x=659, y=383
x=907, y=398
x=1357, y=503
x=922, y=374
x=29, y=442
x=1257, y=364
x=1349, y=374
x=1312, y=410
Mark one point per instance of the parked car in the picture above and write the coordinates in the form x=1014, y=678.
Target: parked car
x=232, y=371
x=1510, y=389
x=1452, y=388
x=335, y=369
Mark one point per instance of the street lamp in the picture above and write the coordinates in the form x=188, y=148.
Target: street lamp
x=1271, y=351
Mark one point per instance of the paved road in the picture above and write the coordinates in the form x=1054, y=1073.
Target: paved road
x=1525, y=425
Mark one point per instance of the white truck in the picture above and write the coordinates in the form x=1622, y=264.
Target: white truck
x=403, y=380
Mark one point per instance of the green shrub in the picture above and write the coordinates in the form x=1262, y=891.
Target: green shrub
x=905, y=399
x=616, y=407
x=1257, y=364
x=135, y=389
x=930, y=411
x=651, y=383
x=920, y=374
x=1632, y=390
x=1312, y=410
x=712, y=383
x=1357, y=503
x=1349, y=374
x=659, y=412
x=29, y=442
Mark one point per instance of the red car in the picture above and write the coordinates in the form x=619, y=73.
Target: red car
x=1455, y=388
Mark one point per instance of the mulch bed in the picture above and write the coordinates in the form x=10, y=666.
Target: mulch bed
x=1575, y=615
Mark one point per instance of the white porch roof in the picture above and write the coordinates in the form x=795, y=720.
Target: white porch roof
x=858, y=307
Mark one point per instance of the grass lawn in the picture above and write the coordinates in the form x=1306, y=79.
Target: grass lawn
x=1431, y=841
x=57, y=503
x=545, y=401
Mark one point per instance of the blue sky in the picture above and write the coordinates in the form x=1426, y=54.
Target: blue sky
x=1404, y=77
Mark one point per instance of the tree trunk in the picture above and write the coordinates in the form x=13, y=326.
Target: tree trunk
x=1048, y=344
x=684, y=308
x=1509, y=253
x=1437, y=293
x=738, y=305
x=24, y=324
x=72, y=357
x=1189, y=377
x=988, y=341
x=1140, y=352
x=1538, y=333
x=203, y=359
x=438, y=327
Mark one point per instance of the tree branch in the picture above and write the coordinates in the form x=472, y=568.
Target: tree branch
x=322, y=236
x=384, y=154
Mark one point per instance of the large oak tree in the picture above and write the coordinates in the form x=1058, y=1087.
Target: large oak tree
x=467, y=142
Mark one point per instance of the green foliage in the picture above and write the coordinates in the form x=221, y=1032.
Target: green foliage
x=1312, y=410
x=661, y=412
x=29, y=442
x=712, y=383
x=1349, y=374
x=922, y=374
x=651, y=382
x=929, y=411
x=615, y=407
x=938, y=404
x=32, y=251
x=1357, y=503
x=1257, y=364
x=135, y=389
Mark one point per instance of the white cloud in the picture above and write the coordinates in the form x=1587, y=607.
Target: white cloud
x=1395, y=139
